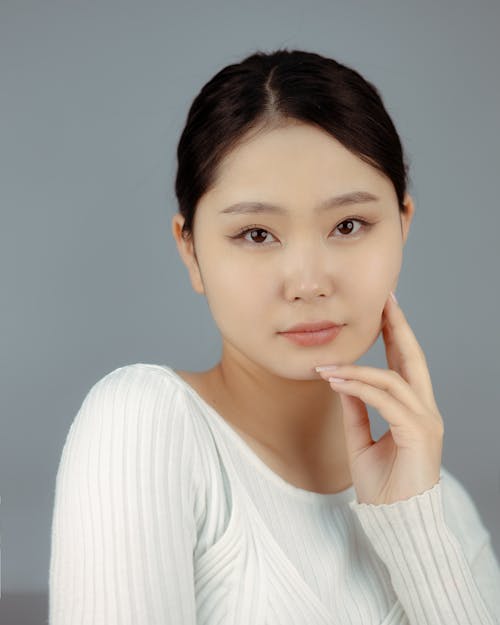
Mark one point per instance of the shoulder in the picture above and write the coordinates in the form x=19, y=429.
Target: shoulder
x=134, y=421
x=461, y=514
x=134, y=401
x=134, y=377
x=139, y=386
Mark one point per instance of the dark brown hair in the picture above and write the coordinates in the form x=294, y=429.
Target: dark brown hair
x=267, y=90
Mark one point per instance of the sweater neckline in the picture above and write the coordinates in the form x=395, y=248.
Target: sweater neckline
x=338, y=498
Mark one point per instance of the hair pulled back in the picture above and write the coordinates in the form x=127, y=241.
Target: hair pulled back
x=268, y=90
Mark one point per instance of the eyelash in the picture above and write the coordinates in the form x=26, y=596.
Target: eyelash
x=239, y=235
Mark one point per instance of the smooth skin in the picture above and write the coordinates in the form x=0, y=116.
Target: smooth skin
x=406, y=460
x=299, y=266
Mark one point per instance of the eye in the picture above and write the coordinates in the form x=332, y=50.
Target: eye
x=255, y=240
x=350, y=221
x=241, y=235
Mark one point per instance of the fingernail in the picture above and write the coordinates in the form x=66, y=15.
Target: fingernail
x=336, y=380
x=326, y=368
x=394, y=297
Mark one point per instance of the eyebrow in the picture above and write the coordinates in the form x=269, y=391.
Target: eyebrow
x=355, y=197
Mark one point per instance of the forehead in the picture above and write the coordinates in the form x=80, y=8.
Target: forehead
x=298, y=159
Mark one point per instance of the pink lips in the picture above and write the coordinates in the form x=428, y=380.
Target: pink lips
x=320, y=334
x=312, y=327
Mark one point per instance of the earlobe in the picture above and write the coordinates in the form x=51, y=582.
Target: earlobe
x=195, y=274
x=176, y=225
x=185, y=247
x=184, y=244
x=407, y=216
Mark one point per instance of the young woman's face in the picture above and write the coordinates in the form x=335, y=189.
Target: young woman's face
x=301, y=264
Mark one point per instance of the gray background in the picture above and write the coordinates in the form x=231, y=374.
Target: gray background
x=94, y=96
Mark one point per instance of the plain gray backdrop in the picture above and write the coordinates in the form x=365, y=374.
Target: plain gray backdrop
x=94, y=97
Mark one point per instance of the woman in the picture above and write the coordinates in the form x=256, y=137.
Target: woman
x=253, y=492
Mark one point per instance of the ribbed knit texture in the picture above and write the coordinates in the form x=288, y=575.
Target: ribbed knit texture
x=163, y=515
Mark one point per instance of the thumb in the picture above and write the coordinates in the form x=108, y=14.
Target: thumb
x=356, y=425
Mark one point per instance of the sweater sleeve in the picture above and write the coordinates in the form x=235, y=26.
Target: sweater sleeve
x=124, y=524
x=430, y=573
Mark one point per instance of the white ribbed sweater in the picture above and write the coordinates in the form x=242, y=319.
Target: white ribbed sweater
x=163, y=515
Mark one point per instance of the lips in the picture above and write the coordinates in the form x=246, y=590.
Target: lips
x=314, y=338
x=312, y=327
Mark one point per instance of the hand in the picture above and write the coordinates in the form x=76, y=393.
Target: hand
x=406, y=460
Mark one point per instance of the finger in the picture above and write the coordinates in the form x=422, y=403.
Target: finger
x=356, y=425
x=399, y=332
x=384, y=379
x=391, y=409
x=403, y=348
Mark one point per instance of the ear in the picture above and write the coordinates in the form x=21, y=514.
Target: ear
x=187, y=253
x=406, y=217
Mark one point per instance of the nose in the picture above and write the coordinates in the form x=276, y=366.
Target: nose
x=306, y=292
x=308, y=273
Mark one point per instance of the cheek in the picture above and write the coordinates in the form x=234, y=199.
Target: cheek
x=378, y=271
x=372, y=279
x=239, y=292
x=247, y=279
